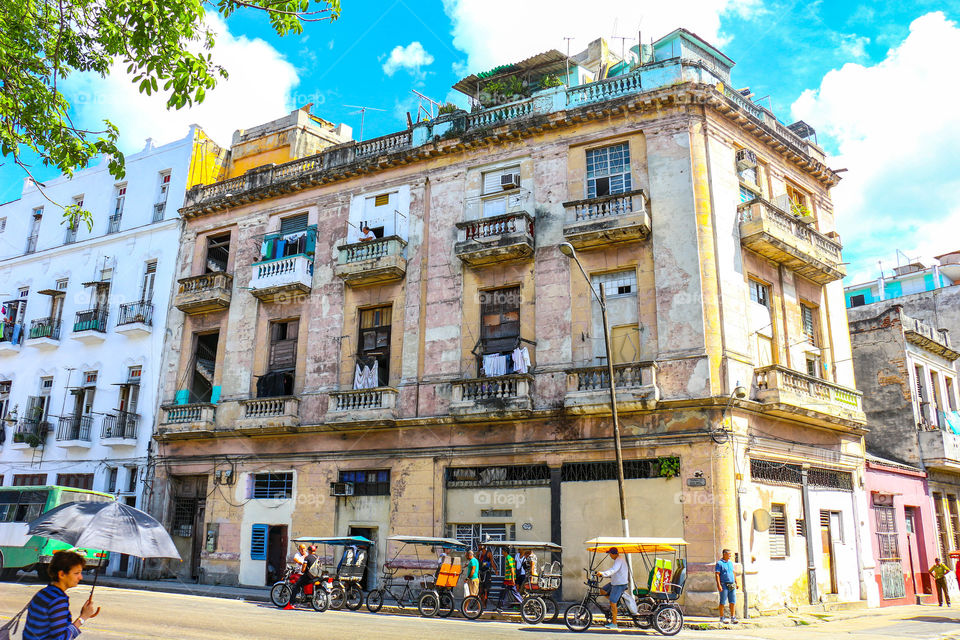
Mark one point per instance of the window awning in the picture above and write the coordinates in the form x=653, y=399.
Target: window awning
x=543, y=63
x=128, y=383
x=52, y=292
x=97, y=283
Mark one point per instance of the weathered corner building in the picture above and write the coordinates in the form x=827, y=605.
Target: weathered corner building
x=448, y=375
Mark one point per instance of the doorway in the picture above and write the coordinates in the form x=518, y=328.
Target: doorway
x=189, y=506
x=828, y=532
x=370, y=533
x=276, y=552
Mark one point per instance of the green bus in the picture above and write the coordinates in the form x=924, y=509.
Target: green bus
x=20, y=505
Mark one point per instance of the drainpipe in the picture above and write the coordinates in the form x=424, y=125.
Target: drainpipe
x=743, y=557
x=808, y=525
x=856, y=541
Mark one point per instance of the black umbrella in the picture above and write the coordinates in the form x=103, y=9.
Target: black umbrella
x=110, y=526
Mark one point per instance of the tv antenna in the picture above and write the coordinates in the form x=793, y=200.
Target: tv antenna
x=362, y=111
x=432, y=108
x=623, y=41
x=566, y=80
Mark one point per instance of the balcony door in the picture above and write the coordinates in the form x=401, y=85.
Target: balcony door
x=373, y=352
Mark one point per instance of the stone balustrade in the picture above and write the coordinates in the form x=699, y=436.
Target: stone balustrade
x=495, y=394
x=588, y=388
x=349, y=405
x=204, y=293
x=372, y=261
x=794, y=392
x=196, y=416
x=288, y=275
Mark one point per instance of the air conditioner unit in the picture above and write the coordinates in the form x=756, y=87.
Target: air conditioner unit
x=510, y=181
x=340, y=489
x=746, y=159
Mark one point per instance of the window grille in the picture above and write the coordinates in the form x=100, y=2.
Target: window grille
x=473, y=535
x=272, y=485
x=594, y=471
x=809, y=325
x=498, y=476
x=778, y=531
x=790, y=474
x=381, y=200
x=368, y=483
x=29, y=479
x=608, y=171
x=184, y=513
x=75, y=480
x=496, y=513
x=954, y=519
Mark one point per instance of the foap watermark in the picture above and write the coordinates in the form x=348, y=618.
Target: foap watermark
x=499, y=498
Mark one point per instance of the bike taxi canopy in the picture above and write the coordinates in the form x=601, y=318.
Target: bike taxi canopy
x=446, y=543
x=343, y=541
x=523, y=544
x=635, y=545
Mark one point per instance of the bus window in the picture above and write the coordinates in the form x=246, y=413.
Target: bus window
x=67, y=496
x=30, y=506
x=8, y=505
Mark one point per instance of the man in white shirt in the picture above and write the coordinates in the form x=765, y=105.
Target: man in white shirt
x=300, y=557
x=365, y=234
x=619, y=581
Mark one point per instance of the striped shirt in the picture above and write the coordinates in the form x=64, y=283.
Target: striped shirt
x=48, y=616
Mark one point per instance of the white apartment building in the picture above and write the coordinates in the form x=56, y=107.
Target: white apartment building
x=82, y=320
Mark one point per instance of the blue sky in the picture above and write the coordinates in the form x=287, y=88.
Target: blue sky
x=870, y=77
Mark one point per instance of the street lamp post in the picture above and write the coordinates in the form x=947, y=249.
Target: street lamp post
x=567, y=249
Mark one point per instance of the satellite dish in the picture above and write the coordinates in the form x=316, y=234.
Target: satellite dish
x=761, y=519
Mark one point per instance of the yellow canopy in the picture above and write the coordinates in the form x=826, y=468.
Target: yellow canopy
x=635, y=545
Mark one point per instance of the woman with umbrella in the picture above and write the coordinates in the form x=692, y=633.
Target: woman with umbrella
x=48, y=615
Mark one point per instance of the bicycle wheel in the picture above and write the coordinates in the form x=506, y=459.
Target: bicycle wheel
x=374, y=601
x=337, y=598
x=551, y=609
x=668, y=620
x=429, y=604
x=280, y=594
x=320, y=600
x=577, y=617
x=471, y=607
x=447, y=605
x=532, y=610
x=354, y=597
x=644, y=616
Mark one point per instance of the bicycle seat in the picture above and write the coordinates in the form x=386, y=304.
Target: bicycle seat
x=409, y=578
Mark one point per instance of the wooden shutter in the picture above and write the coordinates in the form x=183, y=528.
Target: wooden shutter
x=283, y=345
x=258, y=542
x=778, y=531
x=500, y=319
x=293, y=224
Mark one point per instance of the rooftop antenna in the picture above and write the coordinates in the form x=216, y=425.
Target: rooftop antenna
x=362, y=111
x=623, y=42
x=567, y=79
x=432, y=105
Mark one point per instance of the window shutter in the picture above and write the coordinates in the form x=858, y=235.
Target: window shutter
x=311, y=240
x=293, y=224
x=258, y=542
x=778, y=532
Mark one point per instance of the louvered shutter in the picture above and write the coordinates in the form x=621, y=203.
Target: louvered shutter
x=293, y=224
x=778, y=531
x=258, y=542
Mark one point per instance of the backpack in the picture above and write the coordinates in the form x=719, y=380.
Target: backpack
x=315, y=568
x=7, y=630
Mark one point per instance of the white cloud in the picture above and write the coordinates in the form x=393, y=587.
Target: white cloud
x=494, y=32
x=853, y=46
x=411, y=58
x=259, y=89
x=897, y=130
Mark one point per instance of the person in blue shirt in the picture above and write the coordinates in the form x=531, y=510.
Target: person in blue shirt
x=48, y=615
x=727, y=586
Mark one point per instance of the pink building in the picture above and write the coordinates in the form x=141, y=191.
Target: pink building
x=903, y=531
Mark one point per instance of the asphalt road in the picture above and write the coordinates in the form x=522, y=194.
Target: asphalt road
x=132, y=614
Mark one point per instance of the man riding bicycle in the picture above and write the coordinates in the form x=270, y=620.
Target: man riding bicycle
x=619, y=581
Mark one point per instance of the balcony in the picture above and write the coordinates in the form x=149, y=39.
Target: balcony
x=203, y=294
x=90, y=326
x=784, y=238
x=926, y=337
x=199, y=416
x=120, y=429
x=135, y=319
x=44, y=333
x=73, y=432
x=495, y=239
x=159, y=209
x=11, y=337
x=354, y=405
x=598, y=222
x=588, y=388
x=789, y=393
x=282, y=279
x=30, y=433
x=372, y=262
x=940, y=450
x=498, y=395
x=113, y=224
x=269, y=414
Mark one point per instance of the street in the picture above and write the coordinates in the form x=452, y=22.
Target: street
x=142, y=614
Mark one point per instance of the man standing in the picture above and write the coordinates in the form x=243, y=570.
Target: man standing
x=939, y=572
x=473, y=574
x=619, y=581
x=509, y=583
x=727, y=586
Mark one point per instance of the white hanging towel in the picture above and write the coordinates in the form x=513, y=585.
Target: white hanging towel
x=373, y=377
x=519, y=364
x=358, y=378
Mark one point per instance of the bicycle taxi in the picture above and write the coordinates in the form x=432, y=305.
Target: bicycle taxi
x=538, y=603
x=425, y=581
x=346, y=574
x=659, y=579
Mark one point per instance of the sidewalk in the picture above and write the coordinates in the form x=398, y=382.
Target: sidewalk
x=253, y=594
